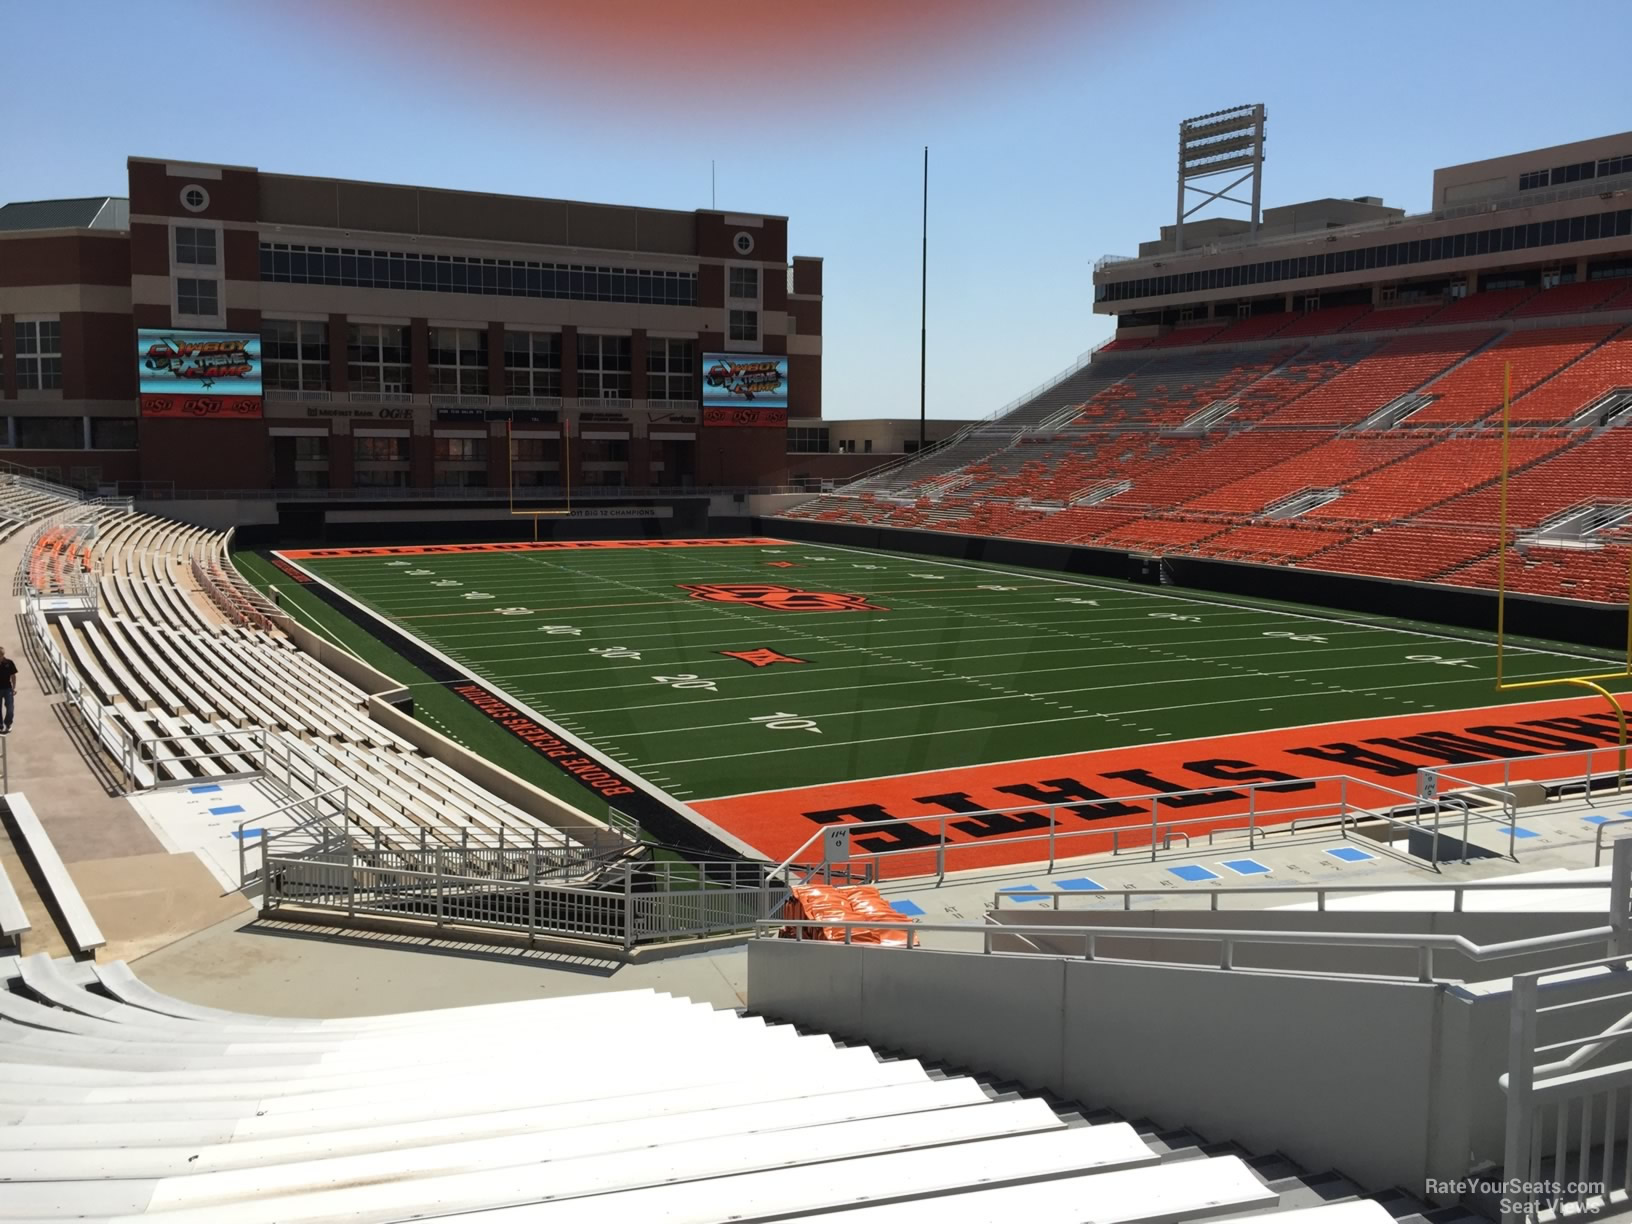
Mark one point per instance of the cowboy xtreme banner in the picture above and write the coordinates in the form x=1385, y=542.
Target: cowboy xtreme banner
x=738, y=380
x=201, y=374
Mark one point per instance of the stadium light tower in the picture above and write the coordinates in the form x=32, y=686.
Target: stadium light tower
x=1220, y=143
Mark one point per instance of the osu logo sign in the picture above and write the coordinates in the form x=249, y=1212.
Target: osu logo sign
x=778, y=598
x=203, y=407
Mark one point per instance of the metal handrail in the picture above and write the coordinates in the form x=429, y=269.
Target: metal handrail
x=1598, y=838
x=265, y=839
x=411, y=493
x=1321, y=891
x=1424, y=945
x=143, y=750
x=1341, y=812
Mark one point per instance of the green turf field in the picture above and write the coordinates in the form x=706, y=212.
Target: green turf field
x=958, y=664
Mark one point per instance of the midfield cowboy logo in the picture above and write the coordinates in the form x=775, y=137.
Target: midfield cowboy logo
x=778, y=598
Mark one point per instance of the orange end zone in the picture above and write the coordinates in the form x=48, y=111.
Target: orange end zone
x=1381, y=755
x=420, y=550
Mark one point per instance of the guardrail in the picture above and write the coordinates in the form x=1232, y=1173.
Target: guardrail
x=1319, y=891
x=580, y=493
x=1583, y=770
x=315, y=825
x=924, y=846
x=97, y=718
x=1588, y=1122
x=1226, y=941
x=627, y=915
x=147, y=756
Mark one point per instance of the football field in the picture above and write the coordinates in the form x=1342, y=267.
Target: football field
x=762, y=688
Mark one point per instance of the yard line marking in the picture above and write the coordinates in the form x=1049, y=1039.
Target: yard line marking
x=1111, y=716
x=1213, y=603
x=1040, y=693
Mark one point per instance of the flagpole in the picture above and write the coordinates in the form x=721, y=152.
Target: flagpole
x=923, y=314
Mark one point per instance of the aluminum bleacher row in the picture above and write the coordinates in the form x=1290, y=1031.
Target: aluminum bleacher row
x=121, y=1103
x=1356, y=439
x=185, y=680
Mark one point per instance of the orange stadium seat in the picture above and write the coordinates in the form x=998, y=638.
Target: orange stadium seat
x=1478, y=307
x=1401, y=365
x=1272, y=542
x=1407, y=552
x=1571, y=299
x=1254, y=327
x=1430, y=476
x=1325, y=322
x=1600, y=371
x=1329, y=463
x=1600, y=467
x=1599, y=574
x=1393, y=318
x=1473, y=390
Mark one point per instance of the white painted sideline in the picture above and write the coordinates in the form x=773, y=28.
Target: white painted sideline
x=83, y=933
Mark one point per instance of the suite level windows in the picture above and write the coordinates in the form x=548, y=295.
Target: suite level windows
x=195, y=296
x=377, y=358
x=603, y=367
x=532, y=363
x=1575, y=172
x=379, y=450
x=38, y=345
x=743, y=284
x=534, y=450
x=195, y=245
x=744, y=325
x=458, y=361
x=460, y=450
x=1590, y=228
x=671, y=370
x=311, y=450
x=296, y=264
x=294, y=355
x=804, y=440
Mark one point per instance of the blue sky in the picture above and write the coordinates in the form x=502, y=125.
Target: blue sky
x=1048, y=149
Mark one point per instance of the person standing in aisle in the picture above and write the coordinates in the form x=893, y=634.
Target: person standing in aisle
x=8, y=691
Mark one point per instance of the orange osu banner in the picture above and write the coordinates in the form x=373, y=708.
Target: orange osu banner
x=759, y=418
x=1082, y=795
x=203, y=407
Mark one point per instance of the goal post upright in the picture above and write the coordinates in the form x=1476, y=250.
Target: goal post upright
x=565, y=465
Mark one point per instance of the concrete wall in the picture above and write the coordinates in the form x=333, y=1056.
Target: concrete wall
x=1391, y=1082
x=1336, y=1073
x=217, y=514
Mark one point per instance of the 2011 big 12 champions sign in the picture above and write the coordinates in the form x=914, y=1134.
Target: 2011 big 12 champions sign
x=745, y=389
x=204, y=375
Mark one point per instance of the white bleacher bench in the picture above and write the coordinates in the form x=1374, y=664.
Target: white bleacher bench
x=119, y=1102
x=82, y=932
x=13, y=921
